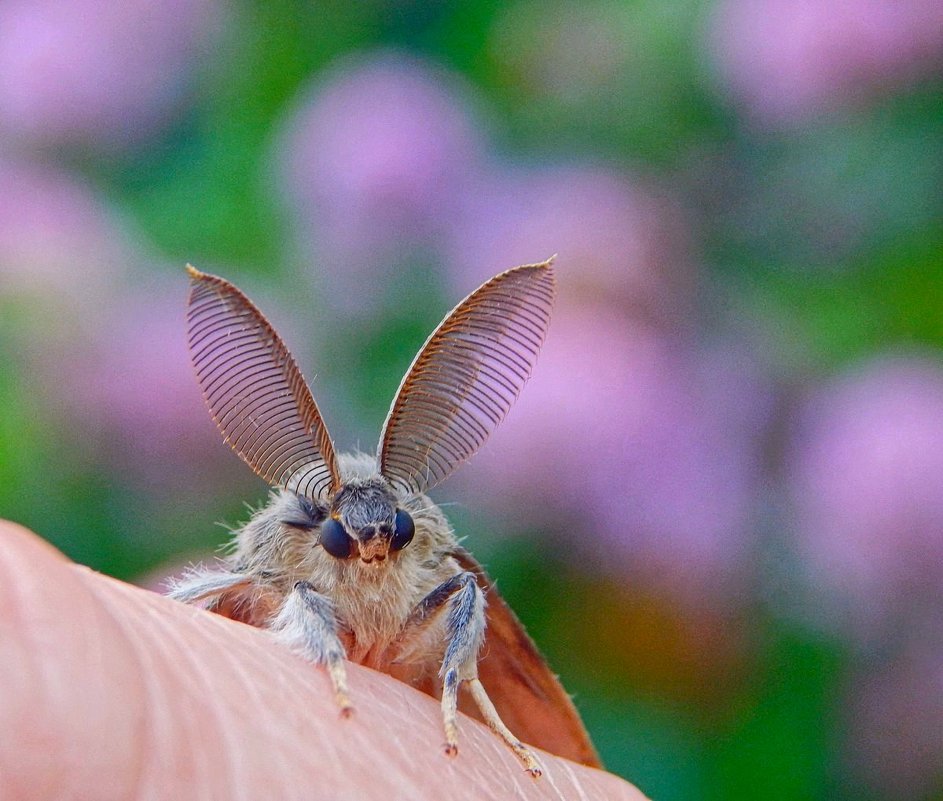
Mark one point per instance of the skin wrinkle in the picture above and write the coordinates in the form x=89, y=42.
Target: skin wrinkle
x=199, y=759
x=13, y=596
x=249, y=689
x=573, y=781
x=286, y=729
x=221, y=713
x=93, y=652
x=48, y=681
x=497, y=761
x=387, y=705
x=244, y=661
x=290, y=730
x=153, y=730
x=228, y=723
x=200, y=680
x=414, y=763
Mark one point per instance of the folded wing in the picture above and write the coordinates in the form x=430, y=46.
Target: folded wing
x=528, y=696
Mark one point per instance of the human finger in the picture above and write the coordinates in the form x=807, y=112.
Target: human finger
x=108, y=691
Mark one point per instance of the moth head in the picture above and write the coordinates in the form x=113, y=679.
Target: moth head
x=366, y=522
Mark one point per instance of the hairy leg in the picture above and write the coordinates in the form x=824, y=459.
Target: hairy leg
x=205, y=584
x=461, y=600
x=490, y=714
x=307, y=625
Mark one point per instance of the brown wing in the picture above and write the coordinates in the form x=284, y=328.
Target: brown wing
x=465, y=378
x=255, y=391
x=528, y=696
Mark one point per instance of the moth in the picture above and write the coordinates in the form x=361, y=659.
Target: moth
x=350, y=559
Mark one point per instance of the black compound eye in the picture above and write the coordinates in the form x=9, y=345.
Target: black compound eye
x=334, y=539
x=404, y=530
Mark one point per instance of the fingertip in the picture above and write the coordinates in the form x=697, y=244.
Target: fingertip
x=19, y=539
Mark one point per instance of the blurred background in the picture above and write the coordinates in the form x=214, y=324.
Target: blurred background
x=718, y=505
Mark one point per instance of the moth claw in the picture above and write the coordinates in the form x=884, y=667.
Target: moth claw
x=451, y=750
x=344, y=704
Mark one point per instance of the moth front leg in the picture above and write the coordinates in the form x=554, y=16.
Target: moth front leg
x=461, y=599
x=204, y=584
x=306, y=624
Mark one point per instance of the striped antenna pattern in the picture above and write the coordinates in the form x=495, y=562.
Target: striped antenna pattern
x=466, y=377
x=255, y=391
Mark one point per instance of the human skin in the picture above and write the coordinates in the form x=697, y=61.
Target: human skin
x=108, y=691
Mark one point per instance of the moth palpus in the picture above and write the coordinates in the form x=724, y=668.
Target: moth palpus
x=350, y=560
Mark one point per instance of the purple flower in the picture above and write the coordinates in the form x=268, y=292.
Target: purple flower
x=866, y=471
x=375, y=160
x=640, y=448
x=95, y=73
x=59, y=244
x=643, y=452
x=127, y=390
x=786, y=59
x=617, y=243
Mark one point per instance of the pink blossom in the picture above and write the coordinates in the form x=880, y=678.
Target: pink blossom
x=95, y=73
x=128, y=390
x=866, y=471
x=375, y=160
x=641, y=453
x=788, y=59
x=618, y=242
x=56, y=236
